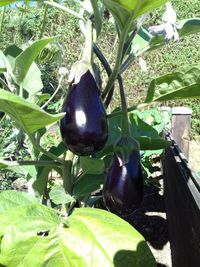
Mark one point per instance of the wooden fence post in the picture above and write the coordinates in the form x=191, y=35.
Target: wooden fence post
x=181, y=124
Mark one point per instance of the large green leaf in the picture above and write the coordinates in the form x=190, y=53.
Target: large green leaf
x=28, y=116
x=11, y=199
x=184, y=27
x=147, y=135
x=43, y=172
x=26, y=58
x=87, y=238
x=92, y=165
x=176, y=85
x=59, y=196
x=6, y=2
x=87, y=184
x=188, y=26
x=4, y=64
x=32, y=82
x=123, y=9
x=144, y=41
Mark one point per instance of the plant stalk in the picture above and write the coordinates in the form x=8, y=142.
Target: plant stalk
x=44, y=21
x=108, y=70
x=37, y=147
x=125, y=120
x=55, y=92
x=32, y=162
x=98, y=22
x=87, y=52
x=66, y=172
x=2, y=19
x=119, y=57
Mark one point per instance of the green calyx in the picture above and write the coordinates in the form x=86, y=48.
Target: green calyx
x=124, y=147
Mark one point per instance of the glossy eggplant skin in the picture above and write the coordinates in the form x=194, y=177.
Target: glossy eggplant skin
x=84, y=128
x=123, y=188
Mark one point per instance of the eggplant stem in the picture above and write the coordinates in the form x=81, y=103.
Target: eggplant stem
x=87, y=52
x=125, y=120
x=66, y=172
x=119, y=57
x=108, y=70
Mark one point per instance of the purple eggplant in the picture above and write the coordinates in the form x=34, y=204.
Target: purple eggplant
x=123, y=188
x=84, y=128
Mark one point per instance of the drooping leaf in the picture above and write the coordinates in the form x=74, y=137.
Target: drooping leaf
x=25, y=59
x=27, y=115
x=176, y=85
x=87, y=238
x=59, y=196
x=87, y=184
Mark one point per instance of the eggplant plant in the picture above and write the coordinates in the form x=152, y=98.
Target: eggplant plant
x=98, y=154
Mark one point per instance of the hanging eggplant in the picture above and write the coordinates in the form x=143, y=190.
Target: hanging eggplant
x=123, y=188
x=84, y=128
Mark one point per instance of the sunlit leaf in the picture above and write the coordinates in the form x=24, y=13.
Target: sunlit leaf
x=176, y=85
x=87, y=238
x=27, y=115
x=26, y=58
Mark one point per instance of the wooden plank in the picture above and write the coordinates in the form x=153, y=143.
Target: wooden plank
x=182, y=200
x=181, y=124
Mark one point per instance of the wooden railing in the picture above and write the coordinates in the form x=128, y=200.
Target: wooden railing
x=182, y=201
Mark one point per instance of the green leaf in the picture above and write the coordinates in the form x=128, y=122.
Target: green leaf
x=43, y=172
x=3, y=164
x=92, y=165
x=120, y=13
x=148, y=143
x=188, y=26
x=32, y=82
x=11, y=199
x=141, y=40
x=24, y=61
x=147, y=136
x=4, y=64
x=87, y=238
x=122, y=10
x=29, y=116
x=59, y=196
x=184, y=27
x=6, y=2
x=176, y=85
x=87, y=184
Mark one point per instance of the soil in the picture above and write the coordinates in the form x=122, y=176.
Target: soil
x=150, y=220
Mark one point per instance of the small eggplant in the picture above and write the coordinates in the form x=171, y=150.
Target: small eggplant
x=123, y=188
x=84, y=128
